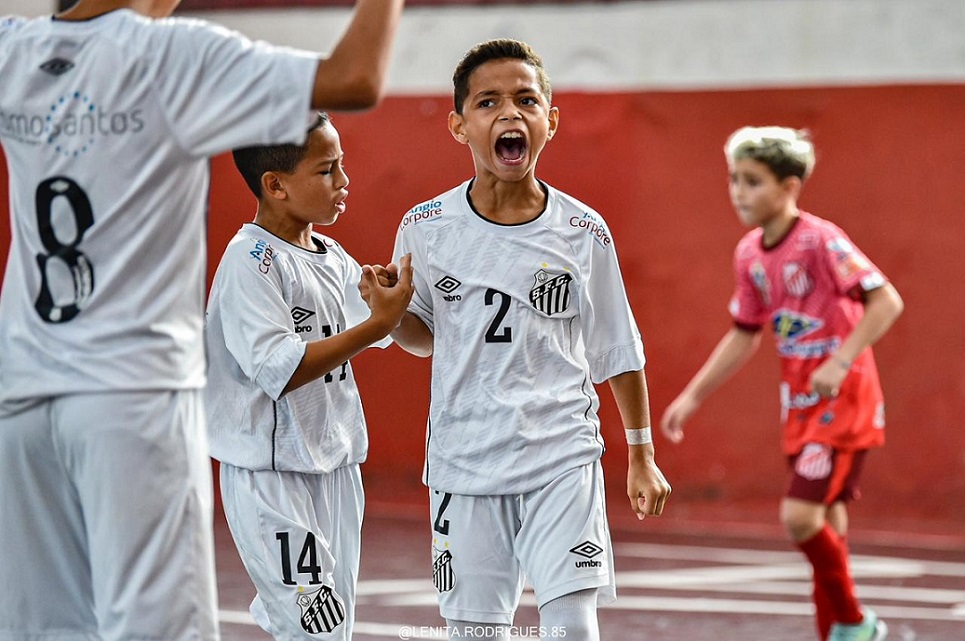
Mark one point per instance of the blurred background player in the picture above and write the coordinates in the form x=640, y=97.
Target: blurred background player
x=109, y=117
x=284, y=413
x=520, y=301
x=826, y=304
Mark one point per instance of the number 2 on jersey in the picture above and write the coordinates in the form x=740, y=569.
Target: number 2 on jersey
x=495, y=333
x=81, y=270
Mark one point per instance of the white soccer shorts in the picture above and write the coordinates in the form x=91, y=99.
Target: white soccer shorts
x=106, y=506
x=484, y=548
x=298, y=536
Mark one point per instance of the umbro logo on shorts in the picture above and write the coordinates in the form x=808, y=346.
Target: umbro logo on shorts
x=587, y=549
x=321, y=611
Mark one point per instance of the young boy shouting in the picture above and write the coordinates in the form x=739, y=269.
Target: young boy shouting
x=520, y=302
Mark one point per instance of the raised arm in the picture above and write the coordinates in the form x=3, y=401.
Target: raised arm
x=411, y=334
x=733, y=350
x=353, y=76
x=647, y=488
x=388, y=306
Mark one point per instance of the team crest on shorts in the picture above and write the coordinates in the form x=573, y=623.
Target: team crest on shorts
x=321, y=610
x=551, y=292
x=442, y=575
x=815, y=462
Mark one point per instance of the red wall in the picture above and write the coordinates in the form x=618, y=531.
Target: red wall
x=889, y=163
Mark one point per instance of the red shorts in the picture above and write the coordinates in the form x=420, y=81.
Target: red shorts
x=821, y=474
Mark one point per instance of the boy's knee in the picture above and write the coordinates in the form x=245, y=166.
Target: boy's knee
x=571, y=615
x=802, y=520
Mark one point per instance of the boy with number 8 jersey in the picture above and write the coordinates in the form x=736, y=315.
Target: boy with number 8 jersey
x=109, y=114
x=520, y=301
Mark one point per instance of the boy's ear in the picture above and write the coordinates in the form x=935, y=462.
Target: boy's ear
x=272, y=186
x=554, y=119
x=792, y=186
x=456, y=128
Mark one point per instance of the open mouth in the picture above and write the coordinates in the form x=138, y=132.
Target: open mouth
x=511, y=147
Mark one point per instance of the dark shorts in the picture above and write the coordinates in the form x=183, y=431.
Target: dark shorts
x=821, y=474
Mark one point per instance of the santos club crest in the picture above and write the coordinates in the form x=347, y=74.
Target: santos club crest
x=551, y=292
x=321, y=610
x=442, y=575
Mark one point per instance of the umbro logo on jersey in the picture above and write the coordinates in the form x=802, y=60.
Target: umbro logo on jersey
x=551, y=292
x=587, y=549
x=300, y=315
x=447, y=285
x=321, y=611
x=57, y=66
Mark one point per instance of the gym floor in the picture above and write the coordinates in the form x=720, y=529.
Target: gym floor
x=679, y=578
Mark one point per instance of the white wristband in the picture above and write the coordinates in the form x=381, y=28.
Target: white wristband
x=640, y=436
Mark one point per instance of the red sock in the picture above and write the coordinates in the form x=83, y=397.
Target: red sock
x=825, y=611
x=833, y=587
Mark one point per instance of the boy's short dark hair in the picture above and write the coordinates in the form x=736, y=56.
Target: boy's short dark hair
x=253, y=162
x=499, y=49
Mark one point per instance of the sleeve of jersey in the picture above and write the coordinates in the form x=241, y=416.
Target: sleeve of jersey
x=221, y=91
x=610, y=333
x=407, y=241
x=849, y=267
x=744, y=306
x=356, y=310
x=257, y=324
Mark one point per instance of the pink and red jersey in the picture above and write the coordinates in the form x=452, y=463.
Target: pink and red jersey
x=807, y=289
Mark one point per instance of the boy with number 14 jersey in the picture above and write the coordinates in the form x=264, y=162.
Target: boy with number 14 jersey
x=284, y=413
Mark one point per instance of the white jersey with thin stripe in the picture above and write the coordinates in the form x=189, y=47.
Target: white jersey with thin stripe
x=107, y=126
x=525, y=318
x=267, y=300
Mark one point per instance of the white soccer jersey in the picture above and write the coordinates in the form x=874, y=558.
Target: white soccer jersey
x=268, y=298
x=104, y=285
x=524, y=317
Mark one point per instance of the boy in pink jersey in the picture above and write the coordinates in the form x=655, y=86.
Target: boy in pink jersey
x=826, y=304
